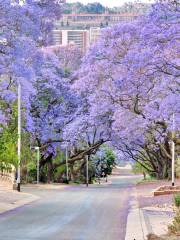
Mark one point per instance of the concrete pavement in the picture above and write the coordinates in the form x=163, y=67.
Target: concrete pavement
x=143, y=220
x=136, y=228
x=74, y=213
x=10, y=199
x=157, y=221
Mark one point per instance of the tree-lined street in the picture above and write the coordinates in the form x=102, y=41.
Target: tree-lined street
x=79, y=101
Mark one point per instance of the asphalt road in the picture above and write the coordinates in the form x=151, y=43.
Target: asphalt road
x=74, y=213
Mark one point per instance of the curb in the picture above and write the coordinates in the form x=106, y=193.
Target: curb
x=47, y=186
x=103, y=183
x=136, y=225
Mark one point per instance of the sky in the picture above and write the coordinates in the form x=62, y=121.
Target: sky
x=109, y=3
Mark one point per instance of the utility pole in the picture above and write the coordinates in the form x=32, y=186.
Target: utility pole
x=173, y=152
x=67, y=168
x=87, y=171
x=19, y=139
x=38, y=160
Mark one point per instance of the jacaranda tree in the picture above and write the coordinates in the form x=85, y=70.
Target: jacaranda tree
x=25, y=27
x=130, y=79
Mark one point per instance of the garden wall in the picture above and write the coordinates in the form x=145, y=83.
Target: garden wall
x=7, y=177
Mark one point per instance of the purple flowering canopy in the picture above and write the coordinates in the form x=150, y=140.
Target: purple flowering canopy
x=24, y=28
x=130, y=80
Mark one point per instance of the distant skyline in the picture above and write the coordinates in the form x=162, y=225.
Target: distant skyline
x=108, y=3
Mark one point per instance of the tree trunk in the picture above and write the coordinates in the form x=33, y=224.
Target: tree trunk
x=50, y=172
x=72, y=175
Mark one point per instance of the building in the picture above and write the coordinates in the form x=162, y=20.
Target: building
x=78, y=38
x=84, y=20
x=82, y=39
x=94, y=34
x=83, y=29
x=57, y=37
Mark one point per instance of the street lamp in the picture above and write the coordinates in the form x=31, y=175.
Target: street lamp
x=173, y=152
x=19, y=139
x=67, y=168
x=87, y=171
x=38, y=161
x=103, y=174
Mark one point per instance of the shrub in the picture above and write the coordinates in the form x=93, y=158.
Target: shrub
x=153, y=237
x=59, y=173
x=177, y=200
x=175, y=227
x=31, y=171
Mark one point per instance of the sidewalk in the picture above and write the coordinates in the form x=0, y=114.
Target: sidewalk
x=10, y=199
x=148, y=214
x=136, y=227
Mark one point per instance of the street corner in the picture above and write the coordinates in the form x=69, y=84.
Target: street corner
x=10, y=200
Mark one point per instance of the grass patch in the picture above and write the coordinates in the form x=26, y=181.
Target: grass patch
x=175, y=227
x=168, y=237
x=148, y=179
x=177, y=199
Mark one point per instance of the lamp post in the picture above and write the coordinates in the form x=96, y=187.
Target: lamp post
x=103, y=174
x=87, y=171
x=173, y=152
x=38, y=160
x=19, y=139
x=67, y=167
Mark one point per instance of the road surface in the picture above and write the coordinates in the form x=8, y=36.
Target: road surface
x=74, y=213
